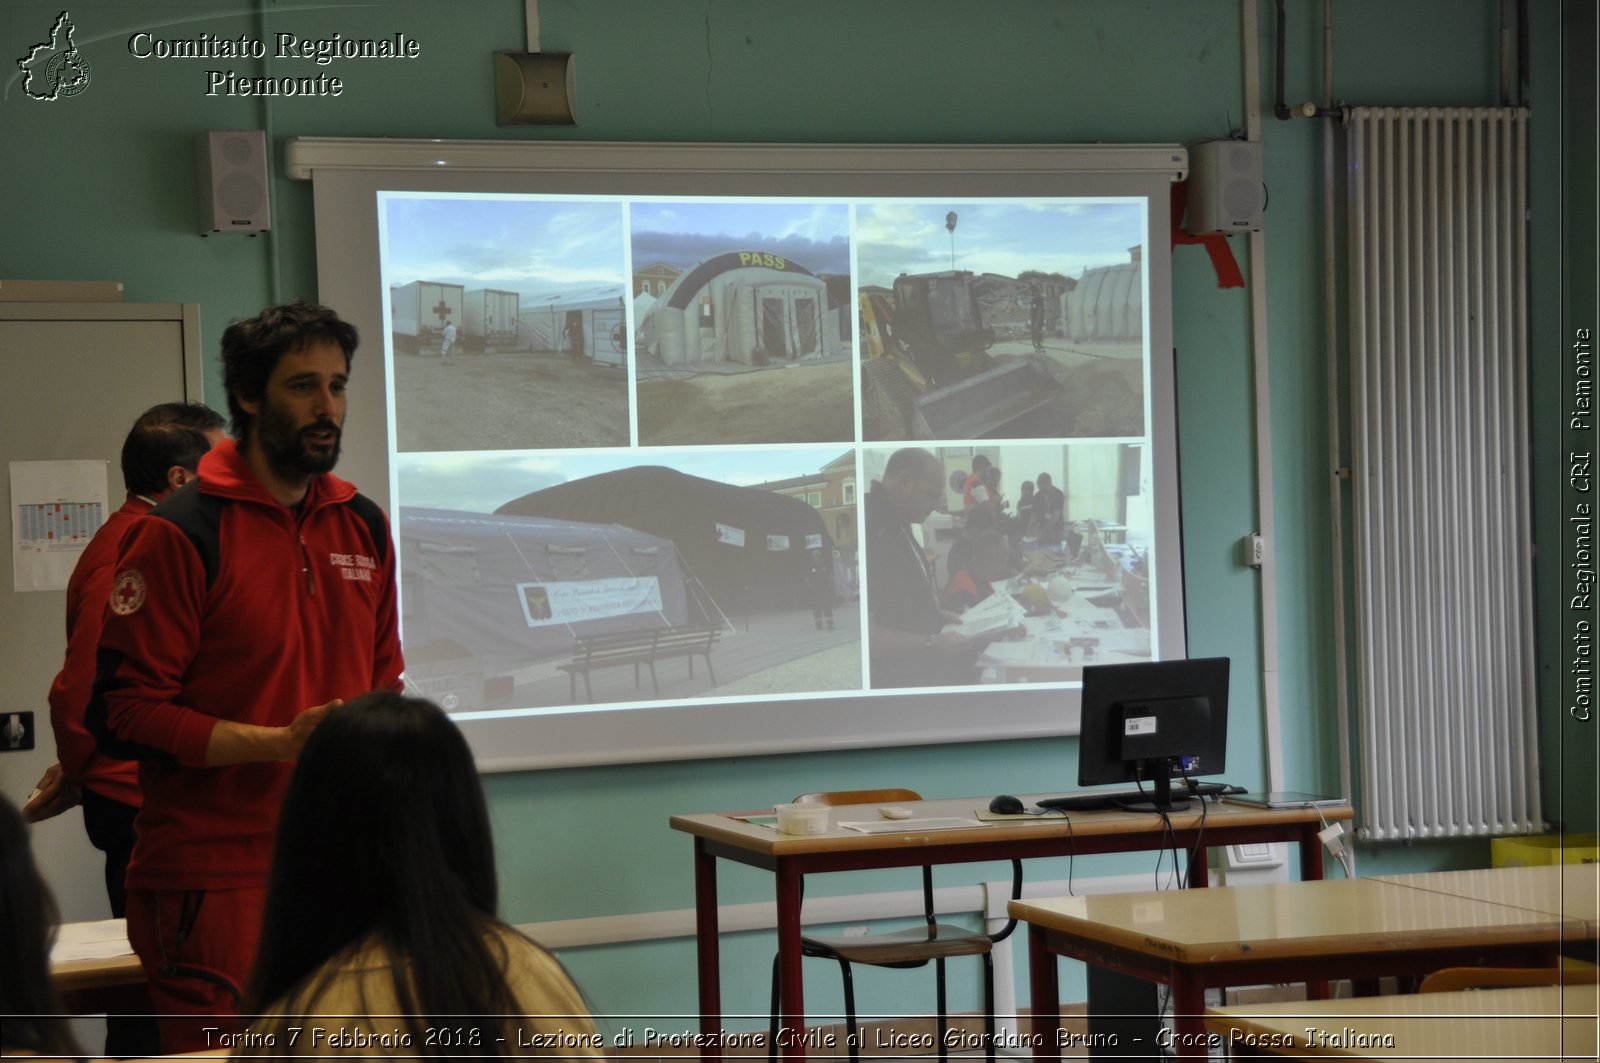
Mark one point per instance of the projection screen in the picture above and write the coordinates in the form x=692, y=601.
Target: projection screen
x=626, y=405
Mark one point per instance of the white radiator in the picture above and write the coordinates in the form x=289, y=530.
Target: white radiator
x=1443, y=546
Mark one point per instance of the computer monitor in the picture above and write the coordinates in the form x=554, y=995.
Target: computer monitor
x=1151, y=722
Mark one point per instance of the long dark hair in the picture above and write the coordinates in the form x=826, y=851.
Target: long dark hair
x=34, y=1021
x=384, y=835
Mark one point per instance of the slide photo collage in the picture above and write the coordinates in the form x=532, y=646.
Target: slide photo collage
x=646, y=449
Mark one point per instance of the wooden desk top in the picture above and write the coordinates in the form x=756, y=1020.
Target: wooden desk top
x=1293, y=920
x=756, y=838
x=97, y=973
x=1572, y=890
x=1547, y=1022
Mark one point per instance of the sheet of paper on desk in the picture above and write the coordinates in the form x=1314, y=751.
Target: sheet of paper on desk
x=1041, y=625
x=911, y=826
x=91, y=941
x=995, y=613
x=1025, y=651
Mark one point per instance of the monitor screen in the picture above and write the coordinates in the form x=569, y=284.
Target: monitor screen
x=1151, y=722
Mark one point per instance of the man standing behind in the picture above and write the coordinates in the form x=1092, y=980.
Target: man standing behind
x=160, y=455
x=245, y=608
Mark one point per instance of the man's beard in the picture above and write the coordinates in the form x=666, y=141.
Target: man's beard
x=287, y=452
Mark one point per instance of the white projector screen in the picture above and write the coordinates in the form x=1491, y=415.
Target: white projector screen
x=673, y=373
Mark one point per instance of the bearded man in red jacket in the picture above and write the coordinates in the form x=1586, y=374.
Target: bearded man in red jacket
x=246, y=607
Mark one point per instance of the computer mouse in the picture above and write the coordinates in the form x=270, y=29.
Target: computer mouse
x=1006, y=805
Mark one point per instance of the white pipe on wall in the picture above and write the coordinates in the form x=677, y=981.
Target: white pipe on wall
x=1266, y=522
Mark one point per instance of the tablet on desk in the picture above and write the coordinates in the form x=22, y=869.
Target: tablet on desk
x=1287, y=799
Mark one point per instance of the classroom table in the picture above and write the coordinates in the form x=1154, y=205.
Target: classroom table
x=790, y=858
x=93, y=968
x=113, y=983
x=1572, y=890
x=1286, y=932
x=1542, y=1022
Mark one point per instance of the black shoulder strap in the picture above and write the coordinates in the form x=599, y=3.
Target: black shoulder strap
x=372, y=516
x=199, y=516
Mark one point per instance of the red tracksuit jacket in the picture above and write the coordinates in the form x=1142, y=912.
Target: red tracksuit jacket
x=81, y=761
x=301, y=611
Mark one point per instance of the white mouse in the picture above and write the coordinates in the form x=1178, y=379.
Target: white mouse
x=894, y=812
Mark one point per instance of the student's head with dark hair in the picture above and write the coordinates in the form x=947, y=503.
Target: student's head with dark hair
x=166, y=440
x=251, y=349
x=384, y=837
x=27, y=927
x=980, y=463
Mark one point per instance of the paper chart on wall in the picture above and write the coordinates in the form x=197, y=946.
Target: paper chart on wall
x=56, y=507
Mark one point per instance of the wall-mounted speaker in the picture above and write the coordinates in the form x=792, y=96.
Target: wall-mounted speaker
x=534, y=88
x=232, y=170
x=1226, y=193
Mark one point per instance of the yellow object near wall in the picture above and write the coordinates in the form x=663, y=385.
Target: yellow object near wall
x=1538, y=849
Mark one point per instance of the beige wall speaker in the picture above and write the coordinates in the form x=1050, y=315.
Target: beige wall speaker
x=1226, y=193
x=534, y=88
x=232, y=170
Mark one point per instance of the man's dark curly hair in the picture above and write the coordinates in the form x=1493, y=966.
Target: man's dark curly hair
x=251, y=349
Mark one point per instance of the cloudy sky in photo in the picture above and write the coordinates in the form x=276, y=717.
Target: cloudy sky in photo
x=520, y=244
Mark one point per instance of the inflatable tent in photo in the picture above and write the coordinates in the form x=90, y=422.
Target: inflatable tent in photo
x=487, y=594
x=593, y=315
x=749, y=547
x=751, y=307
x=1107, y=305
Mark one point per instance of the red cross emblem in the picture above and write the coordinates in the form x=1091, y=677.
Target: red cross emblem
x=127, y=594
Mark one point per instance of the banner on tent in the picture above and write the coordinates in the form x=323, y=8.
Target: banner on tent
x=573, y=601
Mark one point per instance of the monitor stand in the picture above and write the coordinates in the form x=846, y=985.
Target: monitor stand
x=1162, y=800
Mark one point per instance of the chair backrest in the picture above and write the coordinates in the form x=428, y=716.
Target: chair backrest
x=857, y=797
x=900, y=796
x=1455, y=978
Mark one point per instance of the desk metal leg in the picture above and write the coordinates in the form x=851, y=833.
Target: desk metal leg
x=1188, y=1017
x=1045, y=1021
x=791, y=1001
x=1310, y=854
x=707, y=944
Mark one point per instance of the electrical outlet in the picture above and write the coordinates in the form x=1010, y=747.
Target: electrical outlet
x=1252, y=550
x=16, y=732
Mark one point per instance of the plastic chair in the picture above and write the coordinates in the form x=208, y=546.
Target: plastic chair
x=914, y=947
x=1451, y=979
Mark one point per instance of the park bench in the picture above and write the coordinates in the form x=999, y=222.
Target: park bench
x=638, y=648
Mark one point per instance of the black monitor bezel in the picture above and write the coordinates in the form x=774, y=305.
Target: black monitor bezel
x=1107, y=687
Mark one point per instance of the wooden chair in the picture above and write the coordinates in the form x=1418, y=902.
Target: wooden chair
x=1451, y=979
x=914, y=947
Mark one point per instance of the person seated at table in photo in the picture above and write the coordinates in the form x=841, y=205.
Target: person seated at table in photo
x=983, y=517
x=381, y=906
x=988, y=560
x=1024, y=525
x=32, y=1026
x=1049, y=508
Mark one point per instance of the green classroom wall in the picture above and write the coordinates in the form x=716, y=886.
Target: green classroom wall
x=102, y=186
